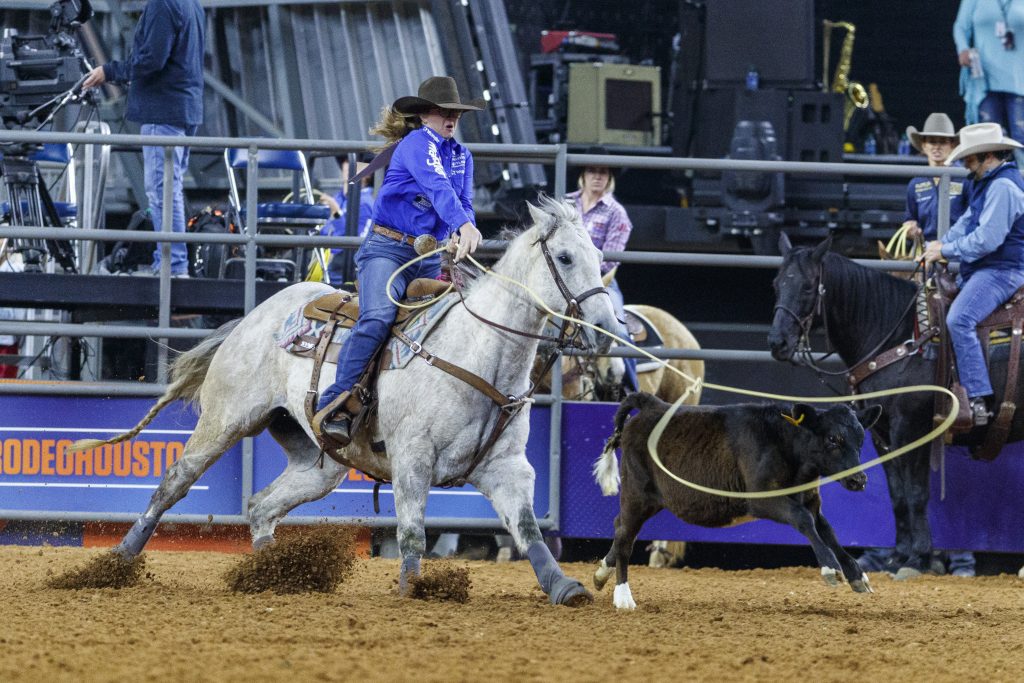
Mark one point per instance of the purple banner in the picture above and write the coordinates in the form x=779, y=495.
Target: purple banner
x=979, y=512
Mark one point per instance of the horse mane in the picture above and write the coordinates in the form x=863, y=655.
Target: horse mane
x=871, y=300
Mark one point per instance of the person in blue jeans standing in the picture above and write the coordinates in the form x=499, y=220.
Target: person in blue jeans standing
x=990, y=33
x=164, y=73
x=427, y=194
x=988, y=240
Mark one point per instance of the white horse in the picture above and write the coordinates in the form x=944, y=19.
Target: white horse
x=431, y=422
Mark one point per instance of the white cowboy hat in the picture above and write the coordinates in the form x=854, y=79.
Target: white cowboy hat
x=981, y=137
x=935, y=126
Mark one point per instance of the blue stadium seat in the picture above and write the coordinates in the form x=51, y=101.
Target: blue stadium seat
x=301, y=214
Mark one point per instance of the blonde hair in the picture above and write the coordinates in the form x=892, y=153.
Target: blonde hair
x=611, y=180
x=393, y=126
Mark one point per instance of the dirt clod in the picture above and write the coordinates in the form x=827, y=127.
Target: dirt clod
x=442, y=582
x=108, y=570
x=314, y=559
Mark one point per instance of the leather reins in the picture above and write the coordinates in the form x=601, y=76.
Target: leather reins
x=509, y=405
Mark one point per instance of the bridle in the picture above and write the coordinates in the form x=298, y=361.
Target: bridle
x=803, y=352
x=806, y=323
x=568, y=333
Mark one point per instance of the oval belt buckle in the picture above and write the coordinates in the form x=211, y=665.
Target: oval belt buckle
x=424, y=244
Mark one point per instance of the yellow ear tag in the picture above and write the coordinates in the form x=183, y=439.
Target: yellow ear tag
x=792, y=420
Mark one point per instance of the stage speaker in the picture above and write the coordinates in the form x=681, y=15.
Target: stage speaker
x=816, y=127
x=774, y=37
x=615, y=104
x=720, y=109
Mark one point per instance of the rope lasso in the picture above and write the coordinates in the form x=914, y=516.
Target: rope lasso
x=694, y=383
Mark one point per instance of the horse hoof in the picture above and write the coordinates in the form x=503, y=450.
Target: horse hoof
x=601, y=575
x=862, y=585
x=262, y=542
x=908, y=573
x=570, y=592
x=830, y=575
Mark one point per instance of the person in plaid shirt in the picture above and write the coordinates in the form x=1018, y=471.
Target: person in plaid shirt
x=609, y=227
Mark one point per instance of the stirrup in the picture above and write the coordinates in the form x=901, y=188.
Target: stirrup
x=337, y=411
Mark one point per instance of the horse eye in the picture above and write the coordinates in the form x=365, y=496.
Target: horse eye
x=565, y=259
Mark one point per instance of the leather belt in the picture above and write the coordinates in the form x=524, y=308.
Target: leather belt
x=394, y=234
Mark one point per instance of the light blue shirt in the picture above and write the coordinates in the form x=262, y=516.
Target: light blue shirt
x=975, y=26
x=1004, y=204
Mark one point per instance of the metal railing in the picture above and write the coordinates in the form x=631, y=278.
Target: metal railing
x=556, y=155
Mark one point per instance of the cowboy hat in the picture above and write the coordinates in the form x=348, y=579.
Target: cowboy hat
x=436, y=91
x=981, y=137
x=935, y=126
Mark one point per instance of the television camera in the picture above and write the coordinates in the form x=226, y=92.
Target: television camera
x=39, y=75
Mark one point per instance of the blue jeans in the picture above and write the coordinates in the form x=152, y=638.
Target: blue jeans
x=376, y=260
x=618, y=305
x=1007, y=110
x=153, y=169
x=983, y=293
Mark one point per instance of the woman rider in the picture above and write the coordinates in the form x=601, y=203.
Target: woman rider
x=427, y=191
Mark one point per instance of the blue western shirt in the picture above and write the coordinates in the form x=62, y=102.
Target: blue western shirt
x=165, y=67
x=428, y=187
x=990, y=234
x=923, y=207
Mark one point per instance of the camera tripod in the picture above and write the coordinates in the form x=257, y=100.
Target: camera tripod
x=31, y=205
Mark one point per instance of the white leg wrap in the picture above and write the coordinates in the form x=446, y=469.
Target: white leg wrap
x=623, y=597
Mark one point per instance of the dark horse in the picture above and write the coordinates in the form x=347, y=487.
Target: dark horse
x=866, y=312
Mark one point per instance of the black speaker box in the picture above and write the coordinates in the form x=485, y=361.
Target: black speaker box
x=719, y=110
x=775, y=37
x=808, y=124
x=816, y=126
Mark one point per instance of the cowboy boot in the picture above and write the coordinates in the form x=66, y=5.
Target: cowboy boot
x=333, y=422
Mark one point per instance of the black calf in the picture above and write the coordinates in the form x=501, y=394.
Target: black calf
x=738, y=448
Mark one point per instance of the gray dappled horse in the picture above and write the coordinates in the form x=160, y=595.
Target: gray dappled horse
x=431, y=422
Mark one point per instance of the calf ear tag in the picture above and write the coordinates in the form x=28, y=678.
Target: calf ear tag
x=792, y=420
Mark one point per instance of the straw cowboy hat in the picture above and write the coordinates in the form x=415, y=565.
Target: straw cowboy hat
x=935, y=126
x=981, y=137
x=436, y=91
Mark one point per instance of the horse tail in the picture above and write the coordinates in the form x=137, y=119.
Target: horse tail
x=187, y=374
x=606, y=469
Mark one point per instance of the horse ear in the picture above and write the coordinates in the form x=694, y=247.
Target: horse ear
x=606, y=279
x=869, y=416
x=537, y=216
x=822, y=249
x=883, y=253
x=785, y=246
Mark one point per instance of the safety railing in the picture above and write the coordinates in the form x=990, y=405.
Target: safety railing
x=552, y=155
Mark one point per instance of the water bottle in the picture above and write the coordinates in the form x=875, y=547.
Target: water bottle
x=753, y=79
x=904, y=146
x=870, y=146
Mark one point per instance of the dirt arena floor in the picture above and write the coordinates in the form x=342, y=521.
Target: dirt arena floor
x=182, y=624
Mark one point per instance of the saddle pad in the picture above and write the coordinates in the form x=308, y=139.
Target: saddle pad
x=299, y=336
x=417, y=328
